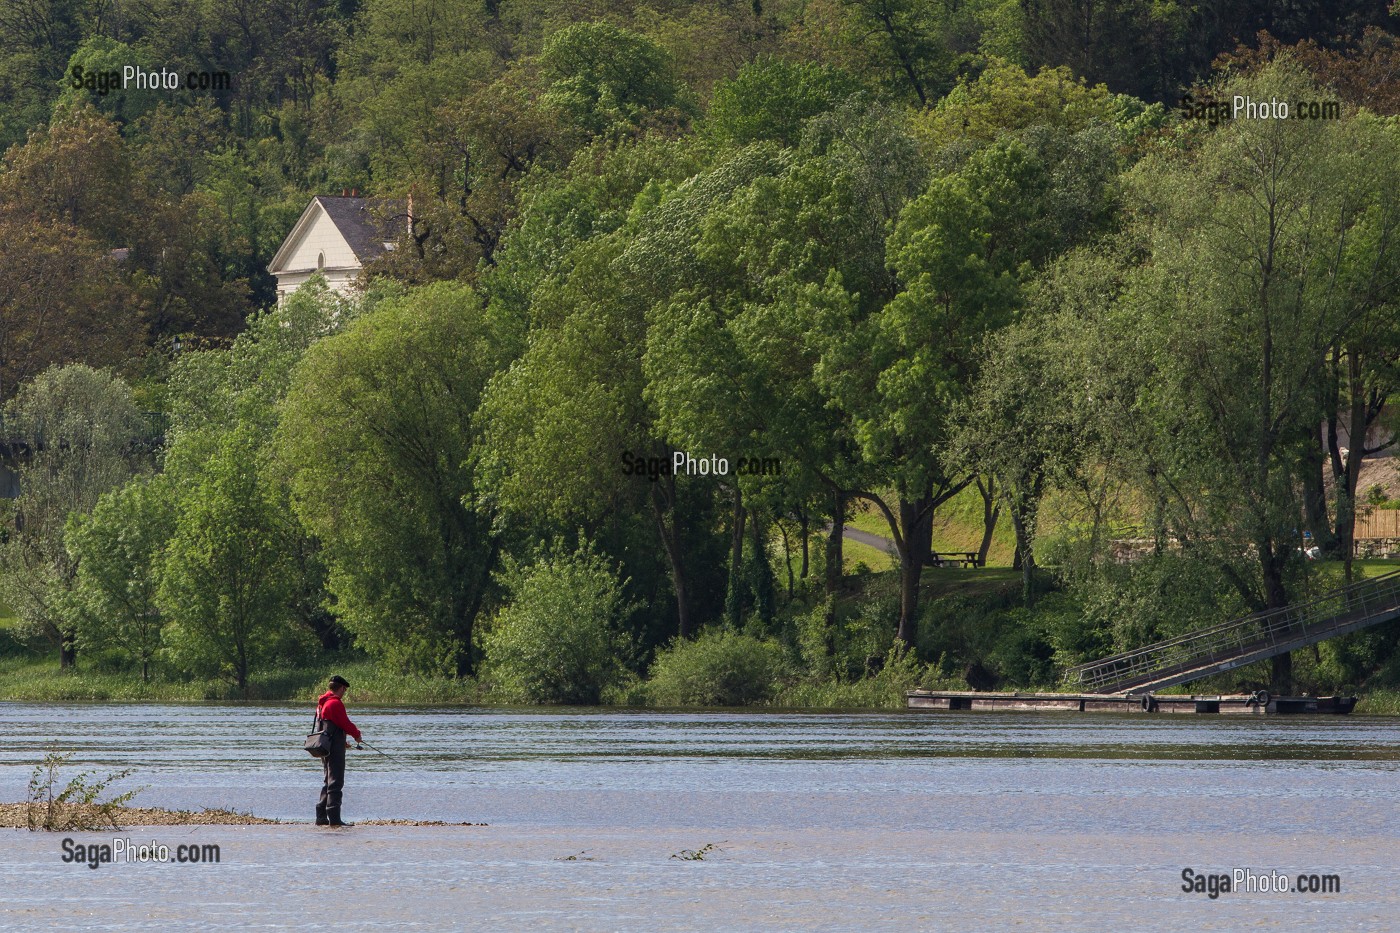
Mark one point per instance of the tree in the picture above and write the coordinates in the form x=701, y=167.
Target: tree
x=78, y=427
x=376, y=440
x=770, y=99
x=960, y=250
x=902, y=40
x=226, y=580
x=118, y=550
x=74, y=171
x=608, y=80
x=61, y=301
x=1284, y=247
x=559, y=638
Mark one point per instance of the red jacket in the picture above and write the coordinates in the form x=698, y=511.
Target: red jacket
x=329, y=708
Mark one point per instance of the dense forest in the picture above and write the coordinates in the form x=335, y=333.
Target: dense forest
x=683, y=291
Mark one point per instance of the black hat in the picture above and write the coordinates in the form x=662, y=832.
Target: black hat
x=337, y=680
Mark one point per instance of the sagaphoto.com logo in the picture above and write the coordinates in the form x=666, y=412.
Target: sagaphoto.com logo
x=121, y=850
x=136, y=78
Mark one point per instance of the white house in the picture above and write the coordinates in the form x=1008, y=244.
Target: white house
x=336, y=237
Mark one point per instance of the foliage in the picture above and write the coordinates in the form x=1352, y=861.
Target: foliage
x=609, y=79
x=770, y=99
x=119, y=550
x=718, y=668
x=900, y=671
x=81, y=429
x=226, y=580
x=561, y=638
x=78, y=806
x=376, y=439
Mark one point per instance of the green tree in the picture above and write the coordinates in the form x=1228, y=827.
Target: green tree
x=376, y=440
x=1286, y=244
x=560, y=636
x=79, y=427
x=770, y=99
x=96, y=59
x=119, y=549
x=608, y=79
x=227, y=576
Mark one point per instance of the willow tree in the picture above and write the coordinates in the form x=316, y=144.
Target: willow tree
x=1264, y=243
x=376, y=439
x=77, y=429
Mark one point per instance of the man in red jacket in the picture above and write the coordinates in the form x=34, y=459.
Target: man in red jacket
x=331, y=708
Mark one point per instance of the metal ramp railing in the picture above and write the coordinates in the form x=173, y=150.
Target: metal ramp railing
x=1243, y=641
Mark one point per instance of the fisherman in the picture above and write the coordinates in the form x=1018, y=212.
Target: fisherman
x=331, y=708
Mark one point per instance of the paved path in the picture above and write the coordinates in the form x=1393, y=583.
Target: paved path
x=868, y=539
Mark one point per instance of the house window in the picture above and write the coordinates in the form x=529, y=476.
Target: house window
x=320, y=261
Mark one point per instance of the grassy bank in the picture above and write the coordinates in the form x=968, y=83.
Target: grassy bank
x=40, y=681
x=972, y=622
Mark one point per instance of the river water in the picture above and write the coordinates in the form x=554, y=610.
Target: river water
x=914, y=821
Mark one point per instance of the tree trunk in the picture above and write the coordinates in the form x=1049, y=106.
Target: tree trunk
x=670, y=540
x=67, y=651
x=787, y=558
x=916, y=519
x=1315, y=497
x=763, y=573
x=991, y=512
x=1281, y=675
x=834, y=555
x=1357, y=427
x=1025, y=556
x=806, y=534
x=734, y=594
x=1271, y=563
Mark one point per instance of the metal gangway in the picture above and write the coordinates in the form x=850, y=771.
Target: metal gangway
x=1232, y=644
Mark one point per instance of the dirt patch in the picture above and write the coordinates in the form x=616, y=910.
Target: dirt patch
x=12, y=816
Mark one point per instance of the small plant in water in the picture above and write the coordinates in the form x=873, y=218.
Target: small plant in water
x=698, y=855
x=77, y=805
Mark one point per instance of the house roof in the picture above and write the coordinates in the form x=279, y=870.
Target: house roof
x=366, y=224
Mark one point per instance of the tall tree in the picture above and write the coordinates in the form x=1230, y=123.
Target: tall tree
x=378, y=444
x=77, y=429
x=118, y=550
x=1287, y=243
x=227, y=576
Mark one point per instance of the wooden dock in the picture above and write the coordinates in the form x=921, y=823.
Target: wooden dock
x=1247, y=704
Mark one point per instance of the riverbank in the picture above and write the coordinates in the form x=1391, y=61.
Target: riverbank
x=41, y=681
x=33, y=680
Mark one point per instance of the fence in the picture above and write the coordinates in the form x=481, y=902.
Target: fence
x=1378, y=523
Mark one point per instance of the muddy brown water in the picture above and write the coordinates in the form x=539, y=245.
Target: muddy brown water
x=918, y=821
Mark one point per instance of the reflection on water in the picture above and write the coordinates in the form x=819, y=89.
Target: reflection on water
x=904, y=821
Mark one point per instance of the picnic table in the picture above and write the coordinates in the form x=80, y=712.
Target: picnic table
x=953, y=559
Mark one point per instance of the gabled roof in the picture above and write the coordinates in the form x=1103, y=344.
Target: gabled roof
x=366, y=224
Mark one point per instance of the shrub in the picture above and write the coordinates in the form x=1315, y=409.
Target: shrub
x=719, y=668
x=559, y=638
x=900, y=671
x=78, y=806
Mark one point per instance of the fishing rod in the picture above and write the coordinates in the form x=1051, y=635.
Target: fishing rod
x=365, y=744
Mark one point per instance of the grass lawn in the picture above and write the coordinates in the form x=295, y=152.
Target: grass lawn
x=957, y=526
